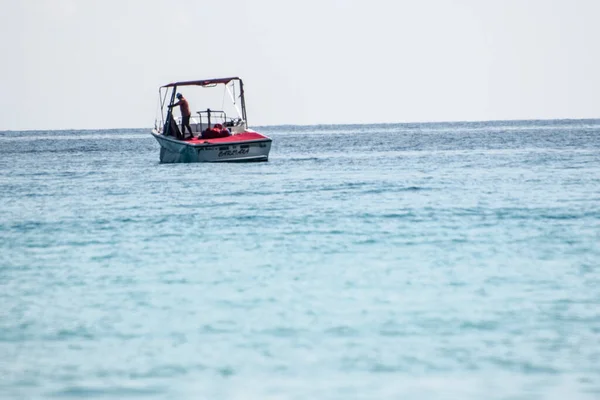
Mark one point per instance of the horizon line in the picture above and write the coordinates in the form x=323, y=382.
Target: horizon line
x=331, y=124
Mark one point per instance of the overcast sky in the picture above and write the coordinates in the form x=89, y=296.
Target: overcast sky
x=79, y=64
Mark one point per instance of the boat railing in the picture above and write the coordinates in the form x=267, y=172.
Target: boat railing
x=200, y=122
x=210, y=118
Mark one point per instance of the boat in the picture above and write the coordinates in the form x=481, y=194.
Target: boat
x=218, y=135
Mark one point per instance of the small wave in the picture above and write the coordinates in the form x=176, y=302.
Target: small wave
x=523, y=366
x=413, y=188
x=303, y=159
x=398, y=215
x=480, y=325
x=226, y=371
x=519, y=214
x=342, y=331
x=115, y=391
x=209, y=329
x=164, y=371
x=365, y=241
x=282, y=332
x=384, y=368
x=67, y=334
x=392, y=332
x=395, y=190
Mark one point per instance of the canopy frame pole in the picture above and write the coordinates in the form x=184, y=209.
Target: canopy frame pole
x=170, y=113
x=243, y=103
x=162, y=100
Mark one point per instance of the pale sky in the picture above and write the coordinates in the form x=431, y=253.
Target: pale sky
x=83, y=64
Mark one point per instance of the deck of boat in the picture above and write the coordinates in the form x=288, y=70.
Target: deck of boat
x=240, y=137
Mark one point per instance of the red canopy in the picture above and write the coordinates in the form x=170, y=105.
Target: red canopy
x=204, y=82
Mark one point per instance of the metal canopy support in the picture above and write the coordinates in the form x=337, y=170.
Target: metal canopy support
x=243, y=102
x=167, y=129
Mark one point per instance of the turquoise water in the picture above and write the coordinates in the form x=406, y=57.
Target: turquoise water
x=401, y=261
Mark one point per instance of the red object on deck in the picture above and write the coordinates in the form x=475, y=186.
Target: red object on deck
x=240, y=137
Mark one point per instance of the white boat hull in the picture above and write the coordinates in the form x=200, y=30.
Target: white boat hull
x=178, y=151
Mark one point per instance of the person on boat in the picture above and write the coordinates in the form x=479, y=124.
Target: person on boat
x=185, y=114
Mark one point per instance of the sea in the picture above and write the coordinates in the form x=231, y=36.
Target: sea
x=377, y=261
